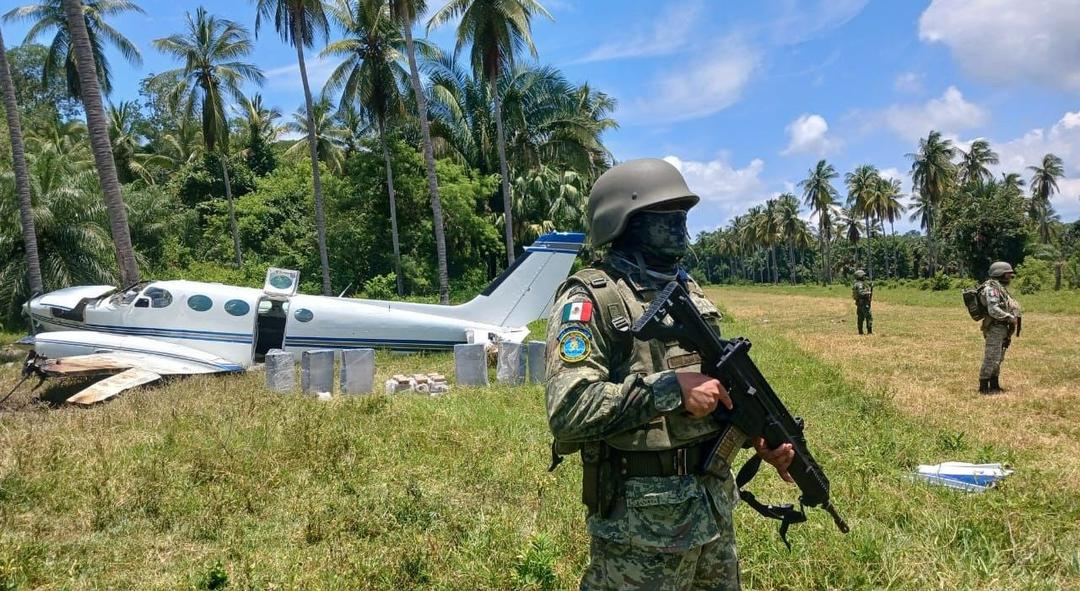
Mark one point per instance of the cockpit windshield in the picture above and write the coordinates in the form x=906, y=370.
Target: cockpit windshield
x=128, y=295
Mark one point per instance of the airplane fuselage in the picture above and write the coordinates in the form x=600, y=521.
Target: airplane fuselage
x=241, y=324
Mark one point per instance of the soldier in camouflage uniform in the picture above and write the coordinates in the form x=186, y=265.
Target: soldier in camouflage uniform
x=862, y=292
x=1002, y=317
x=639, y=412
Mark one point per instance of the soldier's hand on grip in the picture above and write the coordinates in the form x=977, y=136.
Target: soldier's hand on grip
x=701, y=393
x=779, y=458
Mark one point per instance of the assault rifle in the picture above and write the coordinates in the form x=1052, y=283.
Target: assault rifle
x=757, y=410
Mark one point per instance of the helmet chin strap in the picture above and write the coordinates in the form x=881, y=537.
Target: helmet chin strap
x=645, y=272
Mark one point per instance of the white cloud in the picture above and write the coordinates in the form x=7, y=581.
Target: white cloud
x=670, y=32
x=1009, y=41
x=809, y=134
x=1062, y=139
x=892, y=173
x=725, y=191
x=288, y=76
x=908, y=82
x=948, y=113
x=702, y=87
x=803, y=21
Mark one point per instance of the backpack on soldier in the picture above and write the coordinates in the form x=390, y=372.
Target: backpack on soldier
x=974, y=302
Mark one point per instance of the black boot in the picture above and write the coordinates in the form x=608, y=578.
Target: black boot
x=984, y=386
x=995, y=386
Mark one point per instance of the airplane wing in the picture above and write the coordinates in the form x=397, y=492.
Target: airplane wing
x=113, y=385
x=126, y=361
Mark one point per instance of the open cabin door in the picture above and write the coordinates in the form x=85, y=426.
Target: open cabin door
x=273, y=310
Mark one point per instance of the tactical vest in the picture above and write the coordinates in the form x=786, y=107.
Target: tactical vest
x=620, y=301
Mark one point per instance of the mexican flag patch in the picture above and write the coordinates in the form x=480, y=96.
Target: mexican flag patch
x=577, y=312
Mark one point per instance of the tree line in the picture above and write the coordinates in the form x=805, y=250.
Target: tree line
x=970, y=219
x=199, y=172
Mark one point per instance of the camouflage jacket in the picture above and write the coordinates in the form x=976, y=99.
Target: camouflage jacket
x=605, y=386
x=1000, y=305
x=862, y=291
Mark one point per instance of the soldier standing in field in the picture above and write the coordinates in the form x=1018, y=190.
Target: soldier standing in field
x=862, y=292
x=640, y=413
x=1001, y=321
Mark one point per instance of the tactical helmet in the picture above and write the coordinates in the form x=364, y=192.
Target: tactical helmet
x=860, y=274
x=630, y=187
x=1000, y=268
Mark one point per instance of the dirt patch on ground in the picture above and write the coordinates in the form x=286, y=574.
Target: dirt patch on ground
x=928, y=359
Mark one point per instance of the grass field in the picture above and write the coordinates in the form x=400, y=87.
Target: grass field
x=212, y=482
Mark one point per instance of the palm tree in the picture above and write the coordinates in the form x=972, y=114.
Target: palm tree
x=210, y=50
x=371, y=76
x=973, y=165
x=889, y=208
x=258, y=124
x=862, y=185
x=131, y=161
x=1044, y=183
x=767, y=229
x=406, y=12
x=259, y=119
x=1012, y=183
x=49, y=14
x=848, y=226
x=934, y=175
x=496, y=29
x=355, y=125
x=787, y=210
x=328, y=133
x=548, y=121
x=99, y=141
x=300, y=22
x=820, y=196
x=71, y=224
x=22, y=176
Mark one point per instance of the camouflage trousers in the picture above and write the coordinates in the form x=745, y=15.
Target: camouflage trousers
x=997, y=336
x=615, y=566
x=864, y=316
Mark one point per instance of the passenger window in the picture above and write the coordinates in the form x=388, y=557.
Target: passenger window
x=159, y=298
x=304, y=315
x=237, y=307
x=200, y=303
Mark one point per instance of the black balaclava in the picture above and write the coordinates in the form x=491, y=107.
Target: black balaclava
x=659, y=238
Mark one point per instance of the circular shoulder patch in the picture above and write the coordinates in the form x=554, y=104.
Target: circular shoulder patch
x=575, y=344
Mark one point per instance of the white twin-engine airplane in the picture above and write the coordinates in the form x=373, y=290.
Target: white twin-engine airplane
x=158, y=328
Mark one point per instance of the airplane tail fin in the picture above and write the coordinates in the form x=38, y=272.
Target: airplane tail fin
x=523, y=292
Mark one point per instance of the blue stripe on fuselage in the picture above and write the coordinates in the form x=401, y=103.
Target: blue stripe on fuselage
x=197, y=335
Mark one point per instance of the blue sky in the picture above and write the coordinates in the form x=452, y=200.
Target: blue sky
x=746, y=96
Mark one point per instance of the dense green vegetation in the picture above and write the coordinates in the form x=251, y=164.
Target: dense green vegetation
x=970, y=218
x=455, y=170
x=215, y=192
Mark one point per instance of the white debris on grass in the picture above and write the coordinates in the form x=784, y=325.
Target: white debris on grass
x=963, y=475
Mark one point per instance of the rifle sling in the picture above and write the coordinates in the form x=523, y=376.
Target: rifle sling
x=786, y=514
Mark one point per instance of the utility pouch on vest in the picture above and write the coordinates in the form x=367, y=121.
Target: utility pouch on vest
x=597, y=486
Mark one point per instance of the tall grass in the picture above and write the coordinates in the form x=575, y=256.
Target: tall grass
x=213, y=482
